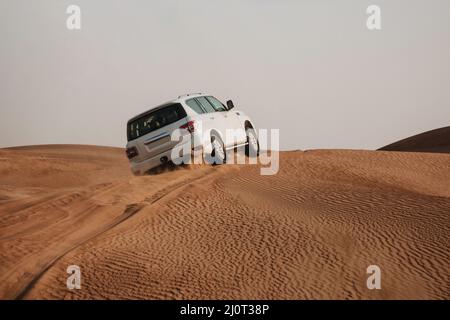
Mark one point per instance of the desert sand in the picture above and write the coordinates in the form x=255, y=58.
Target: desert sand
x=224, y=232
x=437, y=140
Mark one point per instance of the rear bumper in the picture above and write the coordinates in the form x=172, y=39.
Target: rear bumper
x=196, y=143
x=140, y=168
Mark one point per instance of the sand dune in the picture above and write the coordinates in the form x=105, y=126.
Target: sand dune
x=53, y=198
x=224, y=232
x=437, y=140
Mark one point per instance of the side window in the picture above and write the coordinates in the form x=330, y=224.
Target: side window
x=195, y=106
x=206, y=105
x=216, y=104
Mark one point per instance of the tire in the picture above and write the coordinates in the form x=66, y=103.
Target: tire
x=219, y=153
x=252, y=147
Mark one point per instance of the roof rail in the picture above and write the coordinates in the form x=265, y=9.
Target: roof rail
x=188, y=94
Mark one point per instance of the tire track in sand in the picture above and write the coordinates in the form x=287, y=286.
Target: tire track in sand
x=128, y=212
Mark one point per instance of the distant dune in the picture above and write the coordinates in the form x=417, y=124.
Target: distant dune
x=224, y=232
x=437, y=140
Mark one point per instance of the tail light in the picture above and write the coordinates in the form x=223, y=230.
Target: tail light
x=132, y=152
x=189, y=126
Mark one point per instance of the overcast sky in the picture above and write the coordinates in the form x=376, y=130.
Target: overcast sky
x=310, y=68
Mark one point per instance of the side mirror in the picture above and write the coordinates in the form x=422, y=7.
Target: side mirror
x=230, y=105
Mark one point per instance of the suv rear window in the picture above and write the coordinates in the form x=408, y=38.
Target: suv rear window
x=154, y=120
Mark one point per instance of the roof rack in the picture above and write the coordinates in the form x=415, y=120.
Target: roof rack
x=188, y=94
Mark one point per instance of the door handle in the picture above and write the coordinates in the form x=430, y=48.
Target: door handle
x=212, y=118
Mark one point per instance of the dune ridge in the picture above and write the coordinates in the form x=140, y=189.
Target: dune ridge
x=437, y=140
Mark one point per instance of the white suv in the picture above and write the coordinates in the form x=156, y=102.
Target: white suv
x=203, y=117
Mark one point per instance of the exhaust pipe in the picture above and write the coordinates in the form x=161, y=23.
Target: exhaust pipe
x=163, y=159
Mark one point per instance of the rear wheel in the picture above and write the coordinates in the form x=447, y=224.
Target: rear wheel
x=252, y=147
x=218, y=154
